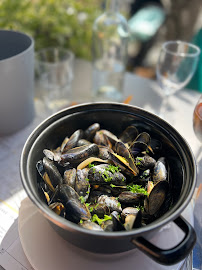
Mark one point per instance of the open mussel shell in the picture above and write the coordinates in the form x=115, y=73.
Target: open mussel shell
x=156, y=146
x=128, y=197
x=138, y=147
x=150, y=186
x=58, y=208
x=143, y=137
x=124, y=157
x=117, y=223
x=140, y=144
x=118, y=161
x=107, y=225
x=90, y=225
x=90, y=132
x=157, y=197
x=53, y=172
x=49, y=173
x=133, y=221
x=49, y=154
x=100, y=138
x=75, y=210
x=104, y=152
x=82, y=142
x=129, y=134
x=72, y=141
x=160, y=172
x=121, y=149
x=129, y=211
x=44, y=192
x=110, y=136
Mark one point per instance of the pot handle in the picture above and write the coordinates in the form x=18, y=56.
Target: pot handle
x=175, y=254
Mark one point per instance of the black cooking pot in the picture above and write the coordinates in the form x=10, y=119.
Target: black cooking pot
x=116, y=117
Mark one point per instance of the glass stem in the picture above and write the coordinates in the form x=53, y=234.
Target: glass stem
x=199, y=154
x=164, y=106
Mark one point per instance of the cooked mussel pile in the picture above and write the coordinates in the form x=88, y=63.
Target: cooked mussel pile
x=106, y=182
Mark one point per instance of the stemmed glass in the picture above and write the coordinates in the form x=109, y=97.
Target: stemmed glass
x=197, y=122
x=176, y=65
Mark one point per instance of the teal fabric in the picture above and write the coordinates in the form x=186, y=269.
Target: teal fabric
x=196, y=81
x=146, y=22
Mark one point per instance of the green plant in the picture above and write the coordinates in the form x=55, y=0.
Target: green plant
x=66, y=23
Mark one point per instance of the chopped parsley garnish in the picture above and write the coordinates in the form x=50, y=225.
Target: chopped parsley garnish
x=95, y=218
x=119, y=204
x=139, y=160
x=137, y=189
x=106, y=176
x=140, y=207
x=81, y=198
x=90, y=165
x=90, y=208
x=115, y=186
x=112, y=168
x=96, y=206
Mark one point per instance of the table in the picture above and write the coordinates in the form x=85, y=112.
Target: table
x=145, y=94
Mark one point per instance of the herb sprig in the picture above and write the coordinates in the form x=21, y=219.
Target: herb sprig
x=137, y=189
x=95, y=218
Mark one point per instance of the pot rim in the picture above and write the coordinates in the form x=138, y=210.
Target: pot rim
x=67, y=225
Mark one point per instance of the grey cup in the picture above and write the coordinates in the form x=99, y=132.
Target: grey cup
x=17, y=81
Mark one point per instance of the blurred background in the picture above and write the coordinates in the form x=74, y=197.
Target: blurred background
x=68, y=23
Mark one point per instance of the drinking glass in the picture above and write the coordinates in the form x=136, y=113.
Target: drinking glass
x=176, y=65
x=54, y=75
x=197, y=122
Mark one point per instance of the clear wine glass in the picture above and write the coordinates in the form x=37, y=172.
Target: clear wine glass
x=197, y=123
x=176, y=65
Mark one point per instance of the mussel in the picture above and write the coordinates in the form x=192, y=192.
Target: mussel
x=102, y=174
x=78, y=154
x=104, y=181
x=75, y=209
